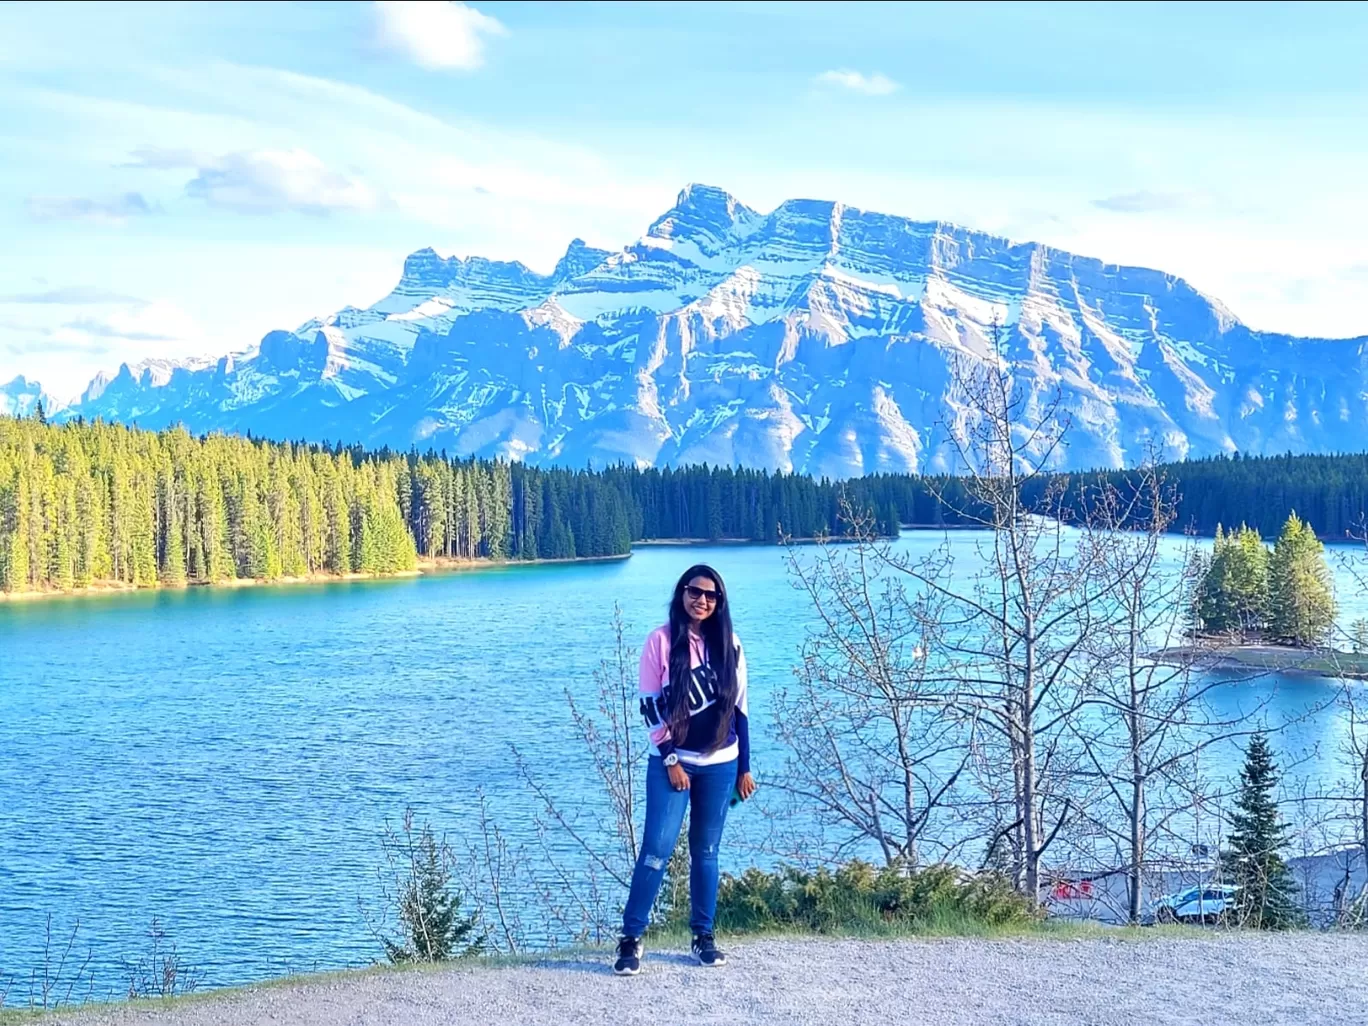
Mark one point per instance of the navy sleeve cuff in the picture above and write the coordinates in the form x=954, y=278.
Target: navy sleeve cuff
x=742, y=742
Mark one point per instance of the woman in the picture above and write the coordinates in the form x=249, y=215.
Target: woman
x=693, y=698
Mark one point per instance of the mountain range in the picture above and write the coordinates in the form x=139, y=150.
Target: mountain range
x=817, y=338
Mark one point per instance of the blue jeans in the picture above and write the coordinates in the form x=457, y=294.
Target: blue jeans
x=709, y=797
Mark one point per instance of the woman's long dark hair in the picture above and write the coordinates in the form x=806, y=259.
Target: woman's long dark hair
x=717, y=636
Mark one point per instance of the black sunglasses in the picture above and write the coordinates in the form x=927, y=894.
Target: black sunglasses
x=701, y=593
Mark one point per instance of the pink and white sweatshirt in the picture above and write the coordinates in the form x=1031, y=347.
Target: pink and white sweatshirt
x=704, y=713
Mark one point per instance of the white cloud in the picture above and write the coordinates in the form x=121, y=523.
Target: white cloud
x=70, y=295
x=876, y=84
x=64, y=355
x=264, y=181
x=151, y=322
x=436, y=35
x=1142, y=202
x=115, y=210
x=451, y=174
x=103, y=328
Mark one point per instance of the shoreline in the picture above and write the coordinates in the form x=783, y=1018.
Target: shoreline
x=1322, y=663
x=427, y=567
x=942, y=527
x=692, y=542
x=105, y=589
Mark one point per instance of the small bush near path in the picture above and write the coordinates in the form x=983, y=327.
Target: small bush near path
x=861, y=897
x=423, y=895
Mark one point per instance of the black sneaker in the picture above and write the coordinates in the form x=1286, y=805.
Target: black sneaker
x=705, y=950
x=629, y=954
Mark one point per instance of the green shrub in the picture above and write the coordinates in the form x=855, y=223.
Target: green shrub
x=858, y=896
x=425, y=898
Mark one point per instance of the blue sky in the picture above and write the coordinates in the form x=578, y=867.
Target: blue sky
x=178, y=179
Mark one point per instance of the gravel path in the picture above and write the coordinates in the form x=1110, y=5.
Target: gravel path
x=1203, y=981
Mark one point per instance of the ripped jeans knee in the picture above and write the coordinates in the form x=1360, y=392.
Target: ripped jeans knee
x=703, y=852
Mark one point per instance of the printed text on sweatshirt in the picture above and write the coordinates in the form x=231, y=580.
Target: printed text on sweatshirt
x=705, y=715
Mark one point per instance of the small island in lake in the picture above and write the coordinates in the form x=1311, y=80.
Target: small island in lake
x=1255, y=608
x=1224, y=654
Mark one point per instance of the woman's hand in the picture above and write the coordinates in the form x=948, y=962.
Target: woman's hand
x=745, y=786
x=679, y=780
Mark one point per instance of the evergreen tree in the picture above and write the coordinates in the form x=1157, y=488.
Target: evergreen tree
x=263, y=557
x=1250, y=579
x=1214, y=605
x=1232, y=595
x=429, y=907
x=501, y=496
x=337, y=549
x=1302, y=606
x=473, y=537
x=1252, y=861
x=92, y=545
x=367, y=550
x=713, y=517
x=13, y=570
x=144, y=529
x=173, y=572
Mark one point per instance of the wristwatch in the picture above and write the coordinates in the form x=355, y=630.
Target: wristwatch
x=671, y=760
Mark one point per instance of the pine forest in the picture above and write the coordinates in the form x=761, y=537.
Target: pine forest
x=84, y=504
x=96, y=503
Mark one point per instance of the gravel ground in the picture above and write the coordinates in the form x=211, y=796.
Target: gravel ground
x=1201, y=981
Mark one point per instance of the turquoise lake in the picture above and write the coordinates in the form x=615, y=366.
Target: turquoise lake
x=225, y=760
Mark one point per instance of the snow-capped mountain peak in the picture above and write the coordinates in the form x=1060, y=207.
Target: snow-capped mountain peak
x=579, y=259
x=816, y=337
x=704, y=215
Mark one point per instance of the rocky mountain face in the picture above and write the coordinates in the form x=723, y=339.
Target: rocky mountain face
x=816, y=338
x=19, y=398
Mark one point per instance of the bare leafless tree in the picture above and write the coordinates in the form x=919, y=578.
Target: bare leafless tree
x=497, y=871
x=1345, y=801
x=968, y=662
x=871, y=751
x=1147, y=717
x=1351, y=903
x=1333, y=817
x=52, y=984
x=1012, y=624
